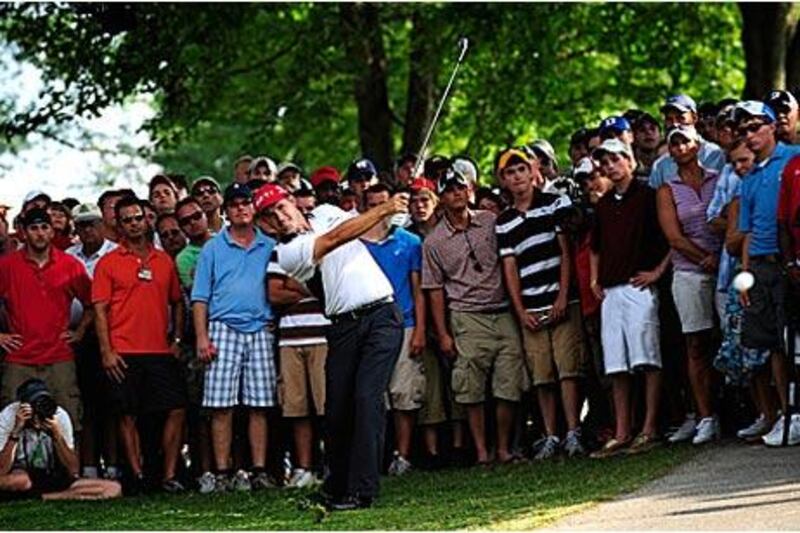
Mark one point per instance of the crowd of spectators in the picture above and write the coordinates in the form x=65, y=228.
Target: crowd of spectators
x=292, y=329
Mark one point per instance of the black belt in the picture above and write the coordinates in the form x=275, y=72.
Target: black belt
x=359, y=312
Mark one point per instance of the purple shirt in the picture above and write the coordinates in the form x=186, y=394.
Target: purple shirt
x=691, y=208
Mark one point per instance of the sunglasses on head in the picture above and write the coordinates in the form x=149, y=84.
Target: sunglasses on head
x=188, y=219
x=134, y=218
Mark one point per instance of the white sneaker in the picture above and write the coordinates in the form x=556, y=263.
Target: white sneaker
x=548, y=449
x=754, y=430
x=206, y=483
x=400, y=465
x=707, y=430
x=686, y=431
x=301, y=478
x=241, y=481
x=572, y=443
x=775, y=436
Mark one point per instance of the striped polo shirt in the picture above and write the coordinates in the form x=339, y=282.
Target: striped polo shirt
x=302, y=323
x=532, y=237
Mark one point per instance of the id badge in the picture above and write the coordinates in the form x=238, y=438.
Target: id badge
x=145, y=274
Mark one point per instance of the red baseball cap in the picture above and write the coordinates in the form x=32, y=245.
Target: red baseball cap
x=325, y=174
x=269, y=195
x=417, y=184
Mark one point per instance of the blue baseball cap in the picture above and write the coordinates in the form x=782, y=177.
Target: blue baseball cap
x=681, y=102
x=361, y=169
x=753, y=108
x=616, y=123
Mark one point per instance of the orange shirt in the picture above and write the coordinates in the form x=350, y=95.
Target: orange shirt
x=138, y=293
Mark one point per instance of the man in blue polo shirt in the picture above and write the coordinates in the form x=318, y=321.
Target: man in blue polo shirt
x=399, y=254
x=231, y=318
x=764, y=317
x=681, y=110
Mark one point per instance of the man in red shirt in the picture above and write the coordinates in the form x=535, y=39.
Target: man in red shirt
x=38, y=284
x=133, y=288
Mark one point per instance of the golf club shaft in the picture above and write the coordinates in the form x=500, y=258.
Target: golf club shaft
x=421, y=154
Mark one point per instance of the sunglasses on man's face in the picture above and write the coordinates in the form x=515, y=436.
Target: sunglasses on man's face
x=134, y=218
x=84, y=224
x=241, y=203
x=188, y=219
x=168, y=234
x=751, y=128
x=209, y=190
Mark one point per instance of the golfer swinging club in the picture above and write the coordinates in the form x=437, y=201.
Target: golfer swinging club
x=364, y=339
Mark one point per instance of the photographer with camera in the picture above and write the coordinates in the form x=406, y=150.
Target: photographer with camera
x=37, y=450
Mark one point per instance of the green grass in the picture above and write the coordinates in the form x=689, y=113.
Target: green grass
x=509, y=497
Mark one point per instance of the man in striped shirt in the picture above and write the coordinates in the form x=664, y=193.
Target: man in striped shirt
x=303, y=351
x=536, y=269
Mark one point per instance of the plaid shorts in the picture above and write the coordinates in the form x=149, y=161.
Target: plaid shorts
x=243, y=372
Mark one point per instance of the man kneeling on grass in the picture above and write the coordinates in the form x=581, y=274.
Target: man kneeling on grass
x=37, y=450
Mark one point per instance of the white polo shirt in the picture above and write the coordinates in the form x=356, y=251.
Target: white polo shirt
x=350, y=276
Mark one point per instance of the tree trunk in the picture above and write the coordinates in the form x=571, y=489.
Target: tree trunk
x=793, y=60
x=422, y=70
x=363, y=39
x=766, y=32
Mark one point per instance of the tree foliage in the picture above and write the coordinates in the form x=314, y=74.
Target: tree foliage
x=289, y=80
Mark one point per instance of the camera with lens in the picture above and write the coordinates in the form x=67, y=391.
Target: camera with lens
x=35, y=393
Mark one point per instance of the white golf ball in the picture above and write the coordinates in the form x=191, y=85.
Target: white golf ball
x=743, y=281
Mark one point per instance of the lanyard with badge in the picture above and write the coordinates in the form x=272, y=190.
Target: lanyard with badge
x=145, y=273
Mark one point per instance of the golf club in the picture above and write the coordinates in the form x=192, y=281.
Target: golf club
x=463, y=45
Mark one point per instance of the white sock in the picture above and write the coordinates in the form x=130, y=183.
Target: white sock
x=89, y=472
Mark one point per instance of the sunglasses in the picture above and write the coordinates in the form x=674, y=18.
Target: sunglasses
x=188, y=219
x=209, y=190
x=751, y=128
x=168, y=234
x=474, y=258
x=241, y=203
x=134, y=218
x=85, y=224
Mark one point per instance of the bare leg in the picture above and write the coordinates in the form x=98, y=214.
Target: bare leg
x=764, y=393
x=547, y=404
x=477, y=427
x=130, y=443
x=87, y=489
x=221, y=435
x=16, y=481
x=621, y=389
x=571, y=400
x=652, y=379
x=171, y=441
x=699, y=371
x=257, y=433
x=404, y=428
x=505, y=420
x=431, y=438
x=303, y=438
x=780, y=372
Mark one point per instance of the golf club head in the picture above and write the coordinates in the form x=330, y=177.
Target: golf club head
x=463, y=45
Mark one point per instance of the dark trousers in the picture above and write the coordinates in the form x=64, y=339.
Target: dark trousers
x=362, y=353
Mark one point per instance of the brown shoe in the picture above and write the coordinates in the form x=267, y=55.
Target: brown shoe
x=643, y=443
x=611, y=448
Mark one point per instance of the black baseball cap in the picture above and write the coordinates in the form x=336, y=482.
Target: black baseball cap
x=37, y=215
x=237, y=190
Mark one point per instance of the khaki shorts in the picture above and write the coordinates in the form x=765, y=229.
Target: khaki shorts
x=407, y=386
x=302, y=373
x=438, y=401
x=557, y=352
x=61, y=380
x=487, y=344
